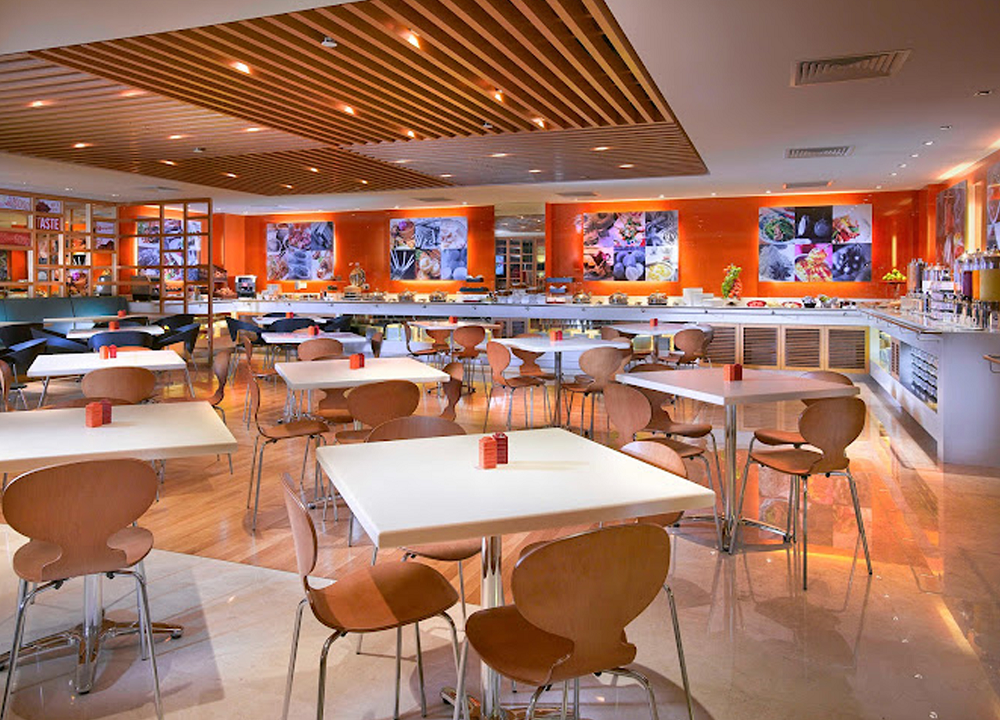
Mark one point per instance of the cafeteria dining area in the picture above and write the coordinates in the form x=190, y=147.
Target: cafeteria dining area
x=484, y=359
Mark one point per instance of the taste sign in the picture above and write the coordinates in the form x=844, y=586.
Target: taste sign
x=53, y=224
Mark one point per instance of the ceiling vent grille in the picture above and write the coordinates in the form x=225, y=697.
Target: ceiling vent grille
x=819, y=152
x=435, y=199
x=849, y=67
x=580, y=194
x=806, y=184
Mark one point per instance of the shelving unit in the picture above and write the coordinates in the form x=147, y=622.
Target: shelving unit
x=520, y=251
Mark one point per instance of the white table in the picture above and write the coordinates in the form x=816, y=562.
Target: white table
x=569, y=343
x=87, y=334
x=264, y=321
x=148, y=432
x=70, y=364
x=348, y=340
x=304, y=377
x=429, y=490
x=758, y=386
x=90, y=318
x=452, y=326
x=654, y=331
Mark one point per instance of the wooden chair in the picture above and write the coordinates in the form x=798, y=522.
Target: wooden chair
x=271, y=434
x=600, y=364
x=498, y=357
x=631, y=412
x=74, y=530
x=774, y=437
x=220, y=368
x=414, y=426
x=609, y=333
x=267, y=373
x=370, y=599
x=830, y=425
x=320, y=348
x=376, y=341
x=416, y=352
x=130, y=384
x=690, y=346
x=452, y=388
x=467, y=339
x=573, y=599
x=7, y=387
x=375, y=403
x=665, y=458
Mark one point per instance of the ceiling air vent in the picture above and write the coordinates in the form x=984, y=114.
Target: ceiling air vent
x=819, y=152
x=159, y=188
x=581, y=194
x=435, y=199
x=808, y=184
x=848, y=67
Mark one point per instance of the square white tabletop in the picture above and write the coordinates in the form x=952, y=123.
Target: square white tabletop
x=447, y=325
x=296, y=338
x=155, y=431
x=659, y=330
x=87, y=334
x=429, y=490
x=320, y=374
x=569, y=343
x=82, y=363
x=265, y=320
x=757, y=386
x=90, y=318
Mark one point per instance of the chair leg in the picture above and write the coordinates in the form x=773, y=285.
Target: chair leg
x=253, y=467
x=461, y=591
x=256, y=497
x=718, y=466
x=461, y=704
x=322, y=673
x=291, y=658
x=22, y=606
x=805, y=533
x=857, y=516
x=148, y=629
x=680, y=649
x=399, y=643
x=534, y=700
x=489, y=401
x=644, y=681
x=420, y=671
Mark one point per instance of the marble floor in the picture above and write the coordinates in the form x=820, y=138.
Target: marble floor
x=918, y=639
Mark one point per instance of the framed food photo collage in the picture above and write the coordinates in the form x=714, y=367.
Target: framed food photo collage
x=819, y=243
x=632, y=246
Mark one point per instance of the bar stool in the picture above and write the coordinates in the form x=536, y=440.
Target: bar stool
x=74, y=531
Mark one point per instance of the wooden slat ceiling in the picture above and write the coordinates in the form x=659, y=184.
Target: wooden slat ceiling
x=410, y=72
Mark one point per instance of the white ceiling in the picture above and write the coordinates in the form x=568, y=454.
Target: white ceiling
x=725, y=69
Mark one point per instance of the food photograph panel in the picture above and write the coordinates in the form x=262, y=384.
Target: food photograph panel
x=300, y=251
x=852, y=262
x=435, y=248
x=814, y=224
x=993, y=207
x=631, y=246
x=950, y=231
x=812, y=262
x=815, y=243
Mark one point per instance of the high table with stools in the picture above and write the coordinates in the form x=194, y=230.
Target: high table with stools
x=571, y=343
x=301, y=378
x=757, y=386
x=153, y=432
x=72, y=364
x=554, y=479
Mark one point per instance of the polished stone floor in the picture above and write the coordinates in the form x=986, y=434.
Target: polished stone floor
x=918, y=639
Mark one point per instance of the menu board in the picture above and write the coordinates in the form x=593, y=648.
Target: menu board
x=950, y=233
x=300, y=251
x=147, y=246
x=817, y=243
x=993, y=207
x=15, y=202
x=429, y=248
x=633, y=246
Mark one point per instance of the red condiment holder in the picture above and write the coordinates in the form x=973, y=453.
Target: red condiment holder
x=105, y=352
x=112, y=351
x=122, y=313
x=653, y=322
x=94, y=414
x=106, y=411
x=502, y=448
x=487, y=453
x=313, y=330
x=733, y=373
x=289, y=315
x=453, y=320
x=114, y=325
x=357, y=361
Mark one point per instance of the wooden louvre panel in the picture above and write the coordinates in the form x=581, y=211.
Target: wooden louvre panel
x=847, y=350
x=802, y=348
x=760, y=346
x=722, y=349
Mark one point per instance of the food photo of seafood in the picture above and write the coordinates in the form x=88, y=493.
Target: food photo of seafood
x=812, y=263
x=852, y=224
x=300, y=251
x=435, y=248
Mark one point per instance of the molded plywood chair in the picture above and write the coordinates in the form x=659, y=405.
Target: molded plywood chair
x=690, y=346
x=600, y=364
x=414, y=351
x=220, y=368
x=320, y=348
x=267, y=373
x=573, y=599
x=73, y=531
x=173, y=323
x=376, y=341
x=452, y=388
x=271, y=434
x=381, y=597
x=467, y=339
x=829, y=425
x=186, y=336
x=20, y=357
x=665, y=458
x=774, y=437
x=8, y=387
x=609, y=333
x=129, y=384
x=499, y=359
x=375, y=403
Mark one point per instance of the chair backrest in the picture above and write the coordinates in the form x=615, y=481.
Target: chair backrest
x=247, y=349
x=407, y=335
x=691, y=342
x=6, y=383
x=303, y=531
x=826, y=376
x=77, y=507
x=831, y=425
x=253, y=388
x=415, y=426
x=286, y=325
x=22, y=355
x=187, y=334
x=320, y=348
x=220, y=368
x=120, y=338
x=452, y=388
x=529, y=359
x=609, y=333
x=439, y=339
x=374, y=403
x=376, y=342
x=628, y=409
x=650, y=367
x=588, y=587
x=602, y=364
x=665, y=458
x=131, y=384
x=468, y=336
x=498, y=356
x=235, y=326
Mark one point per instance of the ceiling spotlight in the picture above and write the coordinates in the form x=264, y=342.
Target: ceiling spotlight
x=983, y=93
x=626, y=166
x=600, y=148
x=928, y=143
x=168, y=162
x=499, y=155
x=287, y=186
x=713, y=194
x=498, y=95
x=914, y=155
x=534, y=171
x=81, y=145
x=878, y=187
x=893, y=174
x=328, y=42
x=413, y=39
x=312, y=169
x=38, y=103
x=364, y=182
x=945, y=127
x=230, y=175
x=662, y=196
x=767, y=192
x=176, y=137
x=540, y=122
x=241, y=67
x=410, y=134
x=253, y=129
x=401, y=162
x=133, y=93
x=348, y=109
x=447, y=175
x=198, y=150
x=901, y=165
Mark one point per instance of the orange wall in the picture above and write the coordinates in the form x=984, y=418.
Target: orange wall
x=718, y=231
x=358, y=237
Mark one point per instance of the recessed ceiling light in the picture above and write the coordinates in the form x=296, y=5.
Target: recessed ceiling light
x=914, y=155
x=38, y=103
x=312, y=169
x=114, y=195
x=901, y=165
x=68, y=189
x=534, y=170
x=198, y=150
x=945, y=127
x=893, y=174
x=983, y=93
x=713, y=194
x=230, y=175
x=465, y=202
x=928, y=143
x=348, y=109
x=364, y=182
x=413, y=39
x=626, y=166
x=401, y=162
x=253, y=129
x=499, y=155
x=287, y=186
x=662, y=196
x=498, y=95
x=168, y=162
x=540, y=122
x=767, y=192
x=410, y=134
x=878, y=187
x=447, y=175
x=601, y=148
x=81, y=145
x=241, y=67
x=176, y=137
x=133, y=93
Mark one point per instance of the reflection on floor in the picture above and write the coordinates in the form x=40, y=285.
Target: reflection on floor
x=919, y=639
